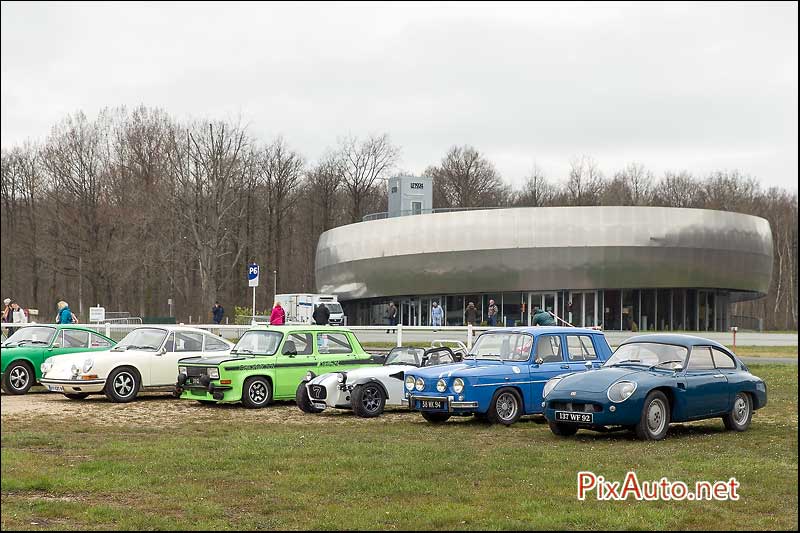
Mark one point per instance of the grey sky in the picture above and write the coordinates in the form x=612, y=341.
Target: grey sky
x=673, y=86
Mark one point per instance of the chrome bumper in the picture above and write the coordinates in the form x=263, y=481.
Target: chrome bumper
x=451, y=404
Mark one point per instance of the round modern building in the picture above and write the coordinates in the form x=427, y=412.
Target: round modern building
x=622, y=268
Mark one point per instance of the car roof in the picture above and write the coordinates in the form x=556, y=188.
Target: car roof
x=671, y=338
x=539, y=330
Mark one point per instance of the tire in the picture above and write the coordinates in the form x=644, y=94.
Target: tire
x=436, y=418
x=18, y=378
x=654, y=420
x=741, y=413
x=123, y=384
x=303, y=401
x=368, y=400
x=256, y=392
x=562, y=430
x=506, y=407
x=77, y=395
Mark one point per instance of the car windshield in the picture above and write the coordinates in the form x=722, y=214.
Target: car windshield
x=648, y=354
x=258, y=343
x=503, y=346
x=405, y=356
x=148, y=339
x=33, y=336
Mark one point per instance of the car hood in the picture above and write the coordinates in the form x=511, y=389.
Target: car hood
x=485, y=367
x=377, y=371
x=598, y=380
x=216, y=360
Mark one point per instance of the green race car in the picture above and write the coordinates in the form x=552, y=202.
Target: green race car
x=22, y=354
x=269, y=363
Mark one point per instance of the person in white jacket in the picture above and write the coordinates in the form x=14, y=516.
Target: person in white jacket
x=18, y=316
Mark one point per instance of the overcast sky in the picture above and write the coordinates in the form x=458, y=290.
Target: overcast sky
x=674, y=86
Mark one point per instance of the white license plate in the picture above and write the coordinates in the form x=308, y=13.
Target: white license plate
x=319, y=405
x=578, y=418
x=55, y=388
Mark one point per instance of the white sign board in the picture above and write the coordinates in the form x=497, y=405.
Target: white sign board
x=97, y=314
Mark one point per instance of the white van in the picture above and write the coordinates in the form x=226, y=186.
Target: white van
x=300, y=307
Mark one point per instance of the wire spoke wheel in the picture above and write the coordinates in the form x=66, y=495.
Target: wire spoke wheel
x=507, y=406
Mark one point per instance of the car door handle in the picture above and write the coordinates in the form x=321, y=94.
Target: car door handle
x=566, y=367
x=719, y=375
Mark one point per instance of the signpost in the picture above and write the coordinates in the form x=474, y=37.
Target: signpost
x=252, y=281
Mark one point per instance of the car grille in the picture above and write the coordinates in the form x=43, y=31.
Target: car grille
x=317, y=392
x=195, y=371
x=579, y=407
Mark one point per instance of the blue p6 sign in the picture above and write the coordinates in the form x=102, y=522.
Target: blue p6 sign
x=252, y=275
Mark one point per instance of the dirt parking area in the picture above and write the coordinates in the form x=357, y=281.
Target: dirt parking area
x=162, y=410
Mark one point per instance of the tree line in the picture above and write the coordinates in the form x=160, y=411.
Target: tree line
x=134, y=207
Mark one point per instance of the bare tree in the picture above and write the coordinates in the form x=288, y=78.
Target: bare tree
x=632, y=185
x=361, y=164
x=677, y=189
x=537, y=191
x=465, y=178
x=584, y=183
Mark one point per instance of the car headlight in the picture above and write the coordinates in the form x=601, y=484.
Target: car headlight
x=409, y=382
x=87, y=365
x=419, y=384
x=342, y=377
x=441, y=385
x=549, y=386
x=621, y=391
x=310, y=375
x=458, y=385
x=213, y=373
x=182, y=370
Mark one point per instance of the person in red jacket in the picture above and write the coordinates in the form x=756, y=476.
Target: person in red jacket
x=278, y=315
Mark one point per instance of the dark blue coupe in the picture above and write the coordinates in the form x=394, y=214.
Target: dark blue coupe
x=503, y=375
x=652, y=380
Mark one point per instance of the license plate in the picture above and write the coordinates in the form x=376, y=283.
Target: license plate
x=578, y=418
x=435, y=405
x=55, y=388
x=320, y=405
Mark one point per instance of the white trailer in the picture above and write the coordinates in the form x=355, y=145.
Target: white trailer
x=300, y=307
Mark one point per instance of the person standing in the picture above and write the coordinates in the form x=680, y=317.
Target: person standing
x=471, y=315
x=216, y=313
x=436, y=315
x=278, y=315
x=65, y=315
x=491, y=313
x=7, y=316
x=391, y=314
x=321, y=315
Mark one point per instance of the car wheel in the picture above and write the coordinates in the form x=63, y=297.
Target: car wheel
x=303, y=401
x=506, y=407
x=122, y=385
x=18, y=378
x=435, y=418
x=654, y=421
x=256, y=392
x=563, y=430
x=368, y=400
x=741, y=414
x=77, y=395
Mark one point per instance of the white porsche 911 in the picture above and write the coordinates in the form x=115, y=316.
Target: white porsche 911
x=147, y=357
x=369, y=389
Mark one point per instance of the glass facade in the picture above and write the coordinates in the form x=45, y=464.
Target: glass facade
x=610, y=309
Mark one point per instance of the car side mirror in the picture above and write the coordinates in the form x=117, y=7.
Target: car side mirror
x=56, y=345
x=588, y=365
x=162, y=351
x=538, y=360
x=678, y=367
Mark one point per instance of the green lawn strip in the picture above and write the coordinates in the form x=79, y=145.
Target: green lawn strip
x=404, y=474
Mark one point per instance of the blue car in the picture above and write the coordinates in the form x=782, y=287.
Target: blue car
x=503, y=375
x=652, y=380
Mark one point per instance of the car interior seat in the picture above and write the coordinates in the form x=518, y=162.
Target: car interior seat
x=289, y=348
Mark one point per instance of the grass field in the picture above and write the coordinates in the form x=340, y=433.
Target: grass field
x=187, y=466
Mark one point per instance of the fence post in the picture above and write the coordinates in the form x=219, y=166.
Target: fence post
x=469, y=336
x=108, y=330
x=399, y=334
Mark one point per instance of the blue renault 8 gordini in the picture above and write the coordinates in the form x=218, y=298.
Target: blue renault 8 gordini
x=503, y=375
x=652, y=380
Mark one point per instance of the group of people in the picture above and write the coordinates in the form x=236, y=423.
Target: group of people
x=15, y=315
x=472, y=315
x=277, y=316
